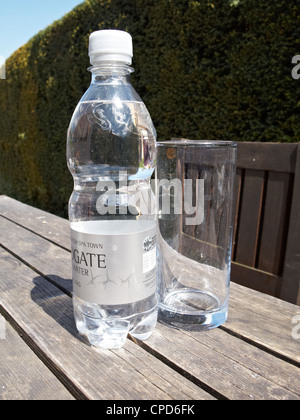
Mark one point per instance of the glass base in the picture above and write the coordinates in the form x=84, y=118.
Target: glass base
x=192, y=310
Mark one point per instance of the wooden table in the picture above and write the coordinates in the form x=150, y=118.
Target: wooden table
x=255, y=355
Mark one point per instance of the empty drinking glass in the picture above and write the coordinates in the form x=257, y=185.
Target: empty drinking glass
x=195, y=193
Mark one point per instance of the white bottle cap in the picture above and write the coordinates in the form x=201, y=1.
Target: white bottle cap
x=111, y=45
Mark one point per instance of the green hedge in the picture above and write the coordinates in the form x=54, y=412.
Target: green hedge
x=214, y=69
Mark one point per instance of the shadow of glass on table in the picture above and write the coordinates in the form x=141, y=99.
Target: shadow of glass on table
x=56, y=303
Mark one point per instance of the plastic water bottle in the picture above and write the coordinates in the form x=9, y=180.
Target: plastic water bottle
x=112, y=154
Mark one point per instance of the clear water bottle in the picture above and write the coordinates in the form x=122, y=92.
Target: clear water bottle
x=111, y=154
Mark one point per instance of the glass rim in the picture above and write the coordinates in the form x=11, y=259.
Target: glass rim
x=197, y=143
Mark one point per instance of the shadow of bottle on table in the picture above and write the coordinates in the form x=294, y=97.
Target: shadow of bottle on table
x=56, y=303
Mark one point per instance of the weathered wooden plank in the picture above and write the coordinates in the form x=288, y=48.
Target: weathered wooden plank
x=45, y=224
x=275, y=224
x=45, y=315
x=291, y=275
x=250, y=218
x=209, y=230
x=207, y=241
x=37, y=252
x=191, y=173
x=200, y=251
x=236, y=207
x=277, y=157
x=23, y=374
x=231, y=367
x=259, y=280
x=265, y=321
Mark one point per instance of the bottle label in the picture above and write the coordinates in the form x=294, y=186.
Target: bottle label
x=114, y=263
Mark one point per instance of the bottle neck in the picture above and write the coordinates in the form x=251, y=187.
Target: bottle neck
x=115, y=70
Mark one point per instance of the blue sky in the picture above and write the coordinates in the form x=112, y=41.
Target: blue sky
x=22, y=19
